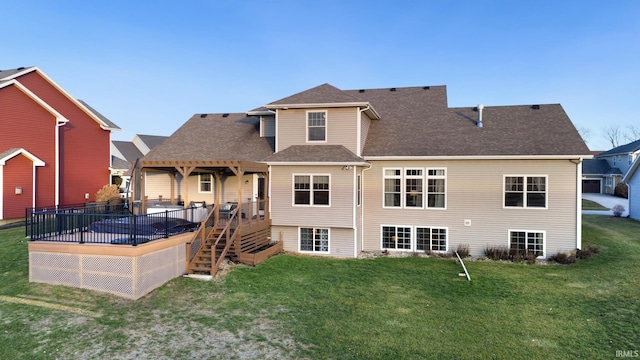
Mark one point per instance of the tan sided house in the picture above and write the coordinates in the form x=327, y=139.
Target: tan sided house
x=339, y=172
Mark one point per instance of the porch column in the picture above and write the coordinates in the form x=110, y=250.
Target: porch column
x=143, y=191
x=173, y=185
x=239, y=173
x=185, y=171
x=265, y=191
x=218, y=177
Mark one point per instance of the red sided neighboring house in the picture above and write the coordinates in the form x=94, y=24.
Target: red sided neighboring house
x=54, y=149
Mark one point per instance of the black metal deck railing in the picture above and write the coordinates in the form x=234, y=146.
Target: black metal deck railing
x=106, y=224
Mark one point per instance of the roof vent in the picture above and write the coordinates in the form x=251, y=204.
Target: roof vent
x=361, y=90
x=479, y=109
x=203, y=115
x=225, y=115
x=21, y=68
x=426, y=88
x=535, y=107
x=392, y=89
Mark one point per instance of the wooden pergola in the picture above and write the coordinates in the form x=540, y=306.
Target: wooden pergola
x=218, y=168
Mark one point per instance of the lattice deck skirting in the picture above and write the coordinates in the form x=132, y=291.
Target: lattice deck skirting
x=126, y=271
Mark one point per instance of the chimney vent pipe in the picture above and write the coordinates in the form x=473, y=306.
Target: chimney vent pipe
x=479, y=123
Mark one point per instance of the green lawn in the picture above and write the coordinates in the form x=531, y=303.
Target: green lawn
x=592, y=205
x=304, y=307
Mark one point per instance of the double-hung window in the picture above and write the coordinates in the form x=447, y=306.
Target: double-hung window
x=316, y=126
x=532, y=241
x=205, y=182
x=412, y=188
x=525, y=191
x=314, y=240
x=436, y=191
x=392, y=187
x=311, y=190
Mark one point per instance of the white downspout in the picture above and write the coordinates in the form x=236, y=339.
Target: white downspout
x=355, y=212
x=578, y=203
x=1, y=193
x=362, y=197
x=59, y=123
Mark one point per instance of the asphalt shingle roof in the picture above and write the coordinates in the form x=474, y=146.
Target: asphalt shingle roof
x=211, y=137
x=128, y=150
x=595, y=167
x=152, y=140
x=10, y=72
x=414, y=121
x=622, y=149
x=315, y=153
x=109, y=123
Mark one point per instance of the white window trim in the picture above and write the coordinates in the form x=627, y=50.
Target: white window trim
x=423, y=177
x=200, y=184
x=425, y=188
x=384, y=177
x=426, y=184
x=313, y=251
x=415, y=236
x=326, y=126
x=412, y=243
x=311, y=204
x=544, y=239
x=524, y=200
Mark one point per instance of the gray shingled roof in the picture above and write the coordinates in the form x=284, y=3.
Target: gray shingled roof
x=214, y=137
x=128, y=150
x=323, y=94
x=7, y=152
x=109, y=123
x=120, y=164
x=414, y=121
x=622, y=149
x=595, y=167
x=10, y=72
x=417, y=122
x=315, y=153
x=152, y=140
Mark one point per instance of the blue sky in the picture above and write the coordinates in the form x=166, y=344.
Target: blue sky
x=149, y=66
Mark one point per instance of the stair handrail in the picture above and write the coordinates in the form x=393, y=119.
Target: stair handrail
x=215, y=263
x=203, y=234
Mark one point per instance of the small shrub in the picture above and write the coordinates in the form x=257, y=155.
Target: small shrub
x=107, y=192
x=618, y=210
x=563, y=258
x=497, y=252
x=505, y=254
x=588, y=252
x=463, y=250
x=621, y=190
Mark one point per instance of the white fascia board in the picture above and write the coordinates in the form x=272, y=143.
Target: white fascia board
x=373, y=114
x=315, y=163
x=261, y=113
x=317, y=105
x=479, y=157
x=30, y=156
x=34, y=97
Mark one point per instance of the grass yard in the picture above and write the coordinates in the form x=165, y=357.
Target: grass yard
x=592, y=205
x=304, y=307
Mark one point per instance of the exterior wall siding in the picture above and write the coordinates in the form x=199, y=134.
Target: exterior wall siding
x=475, y=193
x=341, y=128
x=634, y=196
x=269, y=123
x=85, y=158
x=364, y=130
x=338, y=214
x=25, y=124
x=340, y=240
x=18, y=172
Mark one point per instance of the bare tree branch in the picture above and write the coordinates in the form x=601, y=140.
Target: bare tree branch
x=632, y=133
x=612, y=134
x=585, y=133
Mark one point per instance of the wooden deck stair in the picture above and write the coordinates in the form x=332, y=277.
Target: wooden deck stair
x=253, y=240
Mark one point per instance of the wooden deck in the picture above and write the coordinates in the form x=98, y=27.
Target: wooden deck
x=245, y=240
